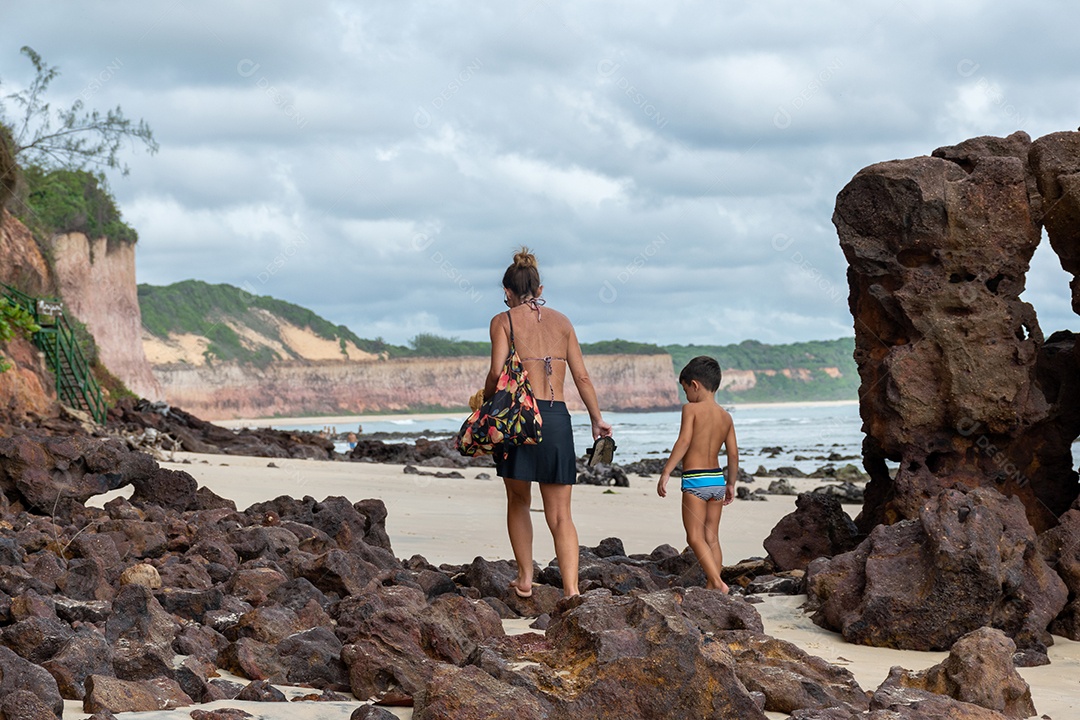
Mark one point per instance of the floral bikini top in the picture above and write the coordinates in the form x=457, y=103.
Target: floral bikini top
x=535, y=304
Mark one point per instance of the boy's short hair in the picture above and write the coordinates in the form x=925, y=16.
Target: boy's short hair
x=705, y=370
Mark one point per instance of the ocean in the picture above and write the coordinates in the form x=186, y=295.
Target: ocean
x=806, y=433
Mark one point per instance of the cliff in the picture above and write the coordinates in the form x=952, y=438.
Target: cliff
x=230, y=390
x=27, y=386
x=96, y=279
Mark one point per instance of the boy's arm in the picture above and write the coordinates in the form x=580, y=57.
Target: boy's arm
x=678, y=450
x=732, y=447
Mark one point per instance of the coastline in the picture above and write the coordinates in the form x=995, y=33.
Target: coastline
x=347, y=420
x=456, y=520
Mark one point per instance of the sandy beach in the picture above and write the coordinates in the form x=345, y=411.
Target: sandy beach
x=456, y=520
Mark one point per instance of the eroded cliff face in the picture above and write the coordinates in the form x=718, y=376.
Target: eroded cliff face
x=26, y=388
x=97, y=281
x=222, y=391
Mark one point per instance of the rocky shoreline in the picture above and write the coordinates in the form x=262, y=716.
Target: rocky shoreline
x=134, y=606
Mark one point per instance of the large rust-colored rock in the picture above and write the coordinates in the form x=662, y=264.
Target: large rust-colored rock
x=958, y=385
x=979, y=670
x=1060, y=547
x=645, y=655
x=819, y=527
x=141, y=633
x=970, y=560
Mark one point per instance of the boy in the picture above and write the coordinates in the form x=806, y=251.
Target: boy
x=705, y=428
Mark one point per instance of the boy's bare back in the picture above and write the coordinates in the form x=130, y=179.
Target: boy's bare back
x=710, y=427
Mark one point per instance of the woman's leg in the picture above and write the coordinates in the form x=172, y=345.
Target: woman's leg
x=694, y=514
x=519, y=525
x=557, y=512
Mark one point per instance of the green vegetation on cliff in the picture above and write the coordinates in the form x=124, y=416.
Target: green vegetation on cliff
x=199, y=308
x=821, y=360
x=62, y=201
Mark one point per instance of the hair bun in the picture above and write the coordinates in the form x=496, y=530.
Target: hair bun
x=524, y=258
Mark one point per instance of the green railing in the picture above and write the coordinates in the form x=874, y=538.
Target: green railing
x=75, y=384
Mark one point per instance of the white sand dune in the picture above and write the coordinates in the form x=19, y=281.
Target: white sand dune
x=456, y=520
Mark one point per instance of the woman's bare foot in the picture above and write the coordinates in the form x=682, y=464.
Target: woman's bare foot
x=521, y=589
x=722, y=587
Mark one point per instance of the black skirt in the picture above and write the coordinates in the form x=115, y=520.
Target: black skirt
x=552, y=460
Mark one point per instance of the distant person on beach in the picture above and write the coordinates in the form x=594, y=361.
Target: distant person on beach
x=706, y=427
x=548, y=347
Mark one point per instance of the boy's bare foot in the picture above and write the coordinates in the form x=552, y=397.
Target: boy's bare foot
x=521, y=593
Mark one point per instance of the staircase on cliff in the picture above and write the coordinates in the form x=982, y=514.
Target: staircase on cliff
x=75, y=384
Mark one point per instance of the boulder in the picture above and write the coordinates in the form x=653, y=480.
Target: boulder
x=142, y=634
x=818, y=527
x=37, y=639
x=979, y=670
x=313, y=659
x=1060, y=547
x=469, y=693
x=169, y=489
x=86, y=653
x=968, y=561
x=24, y=705
x=115, y=695
x=18, y=674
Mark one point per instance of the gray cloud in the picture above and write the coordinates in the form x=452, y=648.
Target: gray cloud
x=674, y=166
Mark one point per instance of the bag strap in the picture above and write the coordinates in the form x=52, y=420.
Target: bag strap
x=508, y=318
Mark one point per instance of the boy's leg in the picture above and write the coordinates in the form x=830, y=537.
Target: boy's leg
x=713, y=511
x=519, y=525
x=557, y=513
x=694, y=515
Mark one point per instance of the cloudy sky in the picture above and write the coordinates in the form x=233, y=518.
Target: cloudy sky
x=674, y=165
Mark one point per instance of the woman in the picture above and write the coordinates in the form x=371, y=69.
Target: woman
x=548, y=347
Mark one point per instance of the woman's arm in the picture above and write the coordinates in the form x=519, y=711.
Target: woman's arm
x=576, y=362
x=500, y=348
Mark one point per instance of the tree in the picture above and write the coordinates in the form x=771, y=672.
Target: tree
x=83, y=139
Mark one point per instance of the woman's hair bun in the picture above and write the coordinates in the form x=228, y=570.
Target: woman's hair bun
x=524, y=258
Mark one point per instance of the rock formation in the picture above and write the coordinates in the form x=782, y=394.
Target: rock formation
x=959, y=386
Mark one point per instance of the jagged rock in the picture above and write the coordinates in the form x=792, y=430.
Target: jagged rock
x=623, y=656
x=193, y=676
x=85, y=579
x=968, y=561
x=979, y=670
x=54, y=475
x=115, y=695
x=171, y=489
x=894, y=703
x=469, y=693
x=91, y=611
x=141, y=633
x=32, y=605
x=339, y=572
x=261, y=691
x=24, y=705
x=790, y=678
x=845, y=492
x=394, y=638
x=957, y=384
x=313, y=659
x=818, y=527
x=252, y=659
x=262, y=542
x=190, y=604
x=781, y=487
x=220, y=714
x=199, y=641
x=37, y=639
x=254, y=585
x=373, y=712
x=1060, y=547
x=792, y=582
x=19, y=674
x=267, y=623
